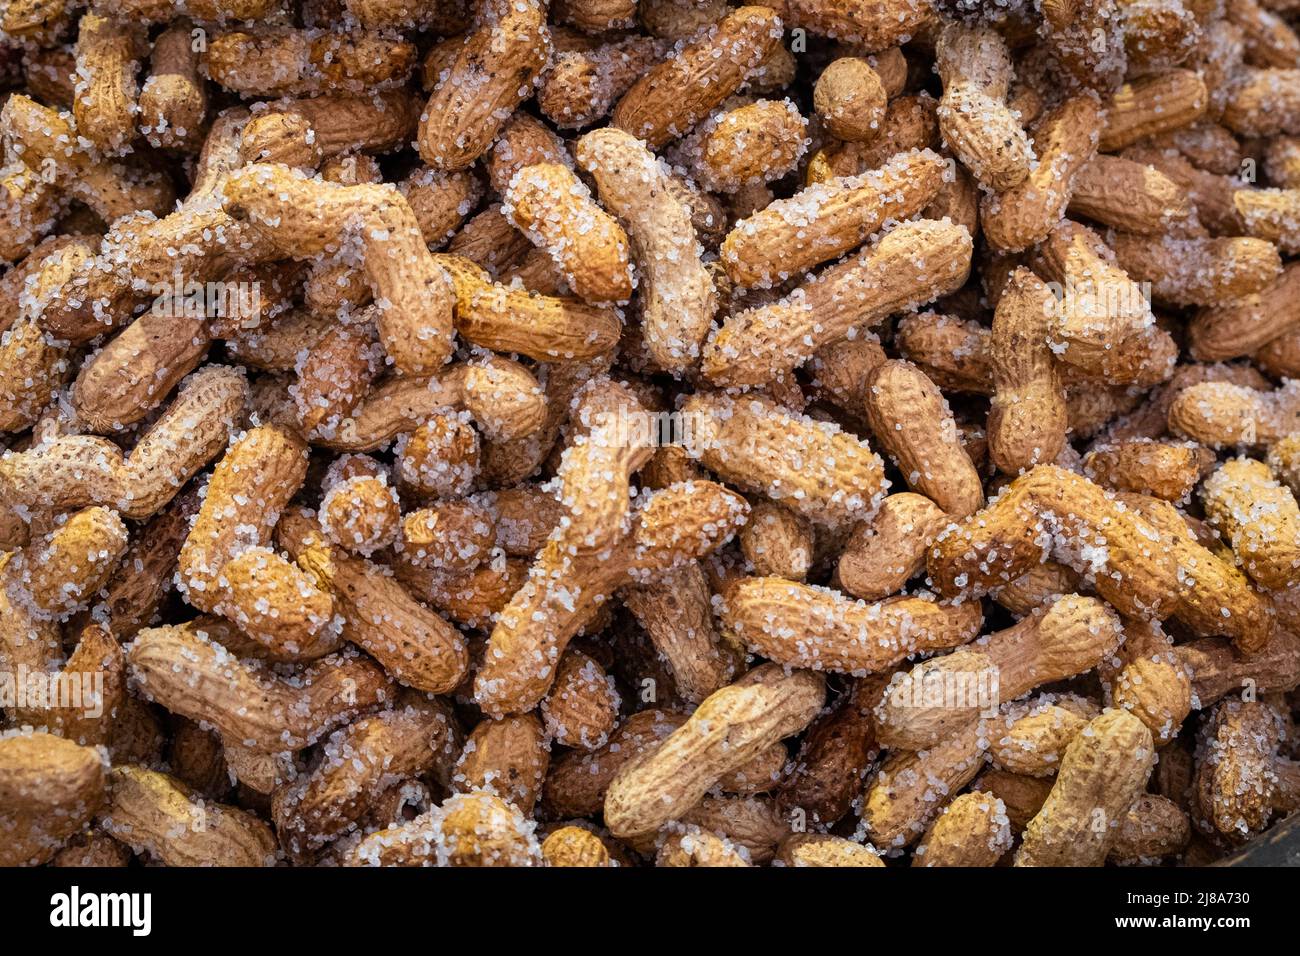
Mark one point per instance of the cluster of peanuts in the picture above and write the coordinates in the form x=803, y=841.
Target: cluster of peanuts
x=332, y=531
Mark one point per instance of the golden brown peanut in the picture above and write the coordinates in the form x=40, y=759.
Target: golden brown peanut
x=507, y=756
x=866, y=25
x=953, y=352
x=695, y=846
x=50, y=788
x=724, y=733
x=1149, y=680
x=1167, y=470
x=173, y=99
x=580, y=86
x=1084, y=39
x=1152, y=105
x=745, y=144
x=1221, y=414
x=1240, y=778
x=1153, y=827
x=973, y=830
x=93, y=849
x=777, y=542
x=468, y=829
x=1259, y=518
x=888, y=550
x=1158, y=33
x=1240, y=328
x=106, y=95
x=279, y=61
x=673, y=96
x=581, y=708
x=1198, y=271
x=850, y=99
x=1030, y=737
x=913, y=422
x=1103, y=772
x=1272, y=214
x=574, y=846
x=801, y=625
x=1128, y=195
x=1264, y=102
x=888, y=276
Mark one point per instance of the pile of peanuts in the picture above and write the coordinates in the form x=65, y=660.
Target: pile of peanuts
x=648, y=432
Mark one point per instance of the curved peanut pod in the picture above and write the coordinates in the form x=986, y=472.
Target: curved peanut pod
x=1030, y=737
x=469, y=829
x=673, y=96
x=555, y=210
x=800, y=625
x=580, y=86
x=1065, y=140
x=57, y=574
x=155, y=813
x=1272, y=214
x=1128, y=195
x=1259, y=517
x=1103, y=772
x=306, y=218
x=678, y=298
x=1240, y=779
x=75, y=470
x=1198, y=271
x=868, y=25
x=1165, y=470
x=106, y=95
x=978, y=126
x=1152, y=105
x=1149, y=680
x=360, y=761
x=726, y=731
x=888, y=550
x=174, y=99
x=277, y=61
x=912, y=787
x=826, y=220
x=912, y=264
x=823, y=473
x=1085, y=41
x=182, y=669
x=501, y=395
x=1028, y=419
x=29, y=207
x=491, y=72
x=1221, y=414
x=911, y=419
x=953, y=352
x=824, y=850
x=973, y=830
x=748, y=144
x=339, y=123
x=1239, y=328
x=1070, y=636
x=507, y=319
x=50, y=789
x=1133, y=567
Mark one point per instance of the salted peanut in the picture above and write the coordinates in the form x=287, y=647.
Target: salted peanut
x=492, y=70
x=1211, y=194
x=580, y=86
x=1027, y=418
x=1103, y=772
x=824, y=221
x=338, y=123
x=108, y=53
x=1037, y=587
x=1280, y=357
x=674, y=95
x=1272, y=214
x=1022, y=796
x=1259, y=517
x=46, y=141
x=508, y=757
x=41, y=21
x=679, y=19
x=745, y=144
x=603, y=546
x=912, y=787
x=415, y=645
x=71, y=471
x=886, y=551
x=870, y=27
x=29, y=207
x=1218, y=669
x=454, y=535
x=156, y=814
x=1030, y=737
x=32, y=366
x=1270, y=42
x=573, y=846
x=1239, y=328
x=973, y=830
x=275, y=137
x=1148, y=680
x=1153, y=828
x=595, y=16
x=468, y=829
x=1284, y=461
x=953, y=352
x=1128, y=195
x=1220, y=414
x=438, y=459
x=814, y=468
x=888, y=276
x=1282, y=162
x=822, y=849
x=550, y=205
x=1152, y=419
x=725, y=732
x=911, y=419
x=777, y=542
x=335, y=373
x=695, y=846
x=1264, y=102
x=358, y=761
x=677, y=614
x=1135, y=572
x=801, y=625
x=678, y=298
x=1208, y=147
x=1167, y=470
x=977, y=125
x=93, y=849
x=225, y=567
x=577, y=782
x=1065, y=140
x=1068, y=637
x=278, y=61
x=1195, y=270
x=850, y=99
x=839, y=371
x=581, y=708
x=50, y=789
x=161, y=11
x=1241, y=779
x=358, y=510
x=441, y=200
x=1153, y=105
x=182, y=669
x=1158, y=34
x=307, y=218
x=911, y=122
x=1085, y=41
x=524, y=141
x=751, y=824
